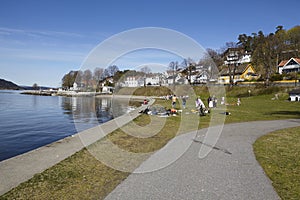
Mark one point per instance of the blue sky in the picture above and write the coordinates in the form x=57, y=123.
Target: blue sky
x=41, y=40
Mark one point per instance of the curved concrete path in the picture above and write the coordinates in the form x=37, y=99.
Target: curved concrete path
x=220, y=175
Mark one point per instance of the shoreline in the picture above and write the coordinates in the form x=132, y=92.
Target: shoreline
x=81, y=94
x=22, y=167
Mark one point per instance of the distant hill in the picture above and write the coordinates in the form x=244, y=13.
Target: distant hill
x=8, y=85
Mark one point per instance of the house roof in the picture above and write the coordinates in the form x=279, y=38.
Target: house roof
x=295, y=91
x=233, y=49
x=284, y=62
x=239, y=70
x=297, y=60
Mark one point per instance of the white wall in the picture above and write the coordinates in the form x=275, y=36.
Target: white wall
x=293, y=97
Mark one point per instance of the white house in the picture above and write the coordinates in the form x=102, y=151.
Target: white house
x=107, y=89
x=203, y=77
x=154, y=80
x=291, y=65
x=75, y=86
x=294, y=95
x=134, y=81
x=178, y=79
x=236, y=56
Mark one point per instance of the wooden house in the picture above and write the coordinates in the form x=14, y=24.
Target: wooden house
x=242, y=72
x=287, y=66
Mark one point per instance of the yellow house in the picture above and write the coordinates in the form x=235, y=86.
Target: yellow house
x=242, y=72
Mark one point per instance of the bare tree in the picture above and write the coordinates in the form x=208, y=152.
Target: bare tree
x=208, y=64
x=174, y=67
x=145, y=70
x=215, y=56
x=78, y=78
x=112, y=70
x=98, y=73
x=106, y=73
x=98, y=76
x=87, y=76
x=189, y=64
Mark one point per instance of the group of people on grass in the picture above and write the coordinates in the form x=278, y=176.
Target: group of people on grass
x=212, y=102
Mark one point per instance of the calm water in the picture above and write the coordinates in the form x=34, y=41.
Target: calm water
x=28, y=122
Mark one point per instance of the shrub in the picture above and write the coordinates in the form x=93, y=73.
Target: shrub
x=276, y=77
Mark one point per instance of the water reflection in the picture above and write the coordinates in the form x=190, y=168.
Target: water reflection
x=87, y=112
x=29, y=122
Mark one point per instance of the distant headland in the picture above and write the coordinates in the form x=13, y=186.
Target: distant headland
x=8, y=85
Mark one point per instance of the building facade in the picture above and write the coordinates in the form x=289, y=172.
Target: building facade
x=288, y=66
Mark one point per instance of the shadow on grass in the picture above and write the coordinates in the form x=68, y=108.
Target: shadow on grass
x=295, y=114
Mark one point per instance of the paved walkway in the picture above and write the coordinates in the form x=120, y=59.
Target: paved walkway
x=220, y=175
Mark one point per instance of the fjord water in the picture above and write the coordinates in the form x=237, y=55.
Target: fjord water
x=28, y=122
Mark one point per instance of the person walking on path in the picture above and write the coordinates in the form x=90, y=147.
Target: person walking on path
x=223, y=101
x=184, y=101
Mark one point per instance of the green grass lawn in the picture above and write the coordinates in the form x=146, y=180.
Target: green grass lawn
x=279, y=155
x=82, y=176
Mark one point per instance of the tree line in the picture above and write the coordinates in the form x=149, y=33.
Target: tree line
x=87, y=78
x=90, y=80
x=266, y=50
x=269, y=49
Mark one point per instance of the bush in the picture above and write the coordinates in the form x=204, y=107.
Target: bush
x=276, y=77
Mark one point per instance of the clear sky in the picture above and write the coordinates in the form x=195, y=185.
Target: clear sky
x=41, y=40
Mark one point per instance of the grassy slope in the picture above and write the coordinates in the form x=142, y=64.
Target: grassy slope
x=279, y=154
x=83, y=177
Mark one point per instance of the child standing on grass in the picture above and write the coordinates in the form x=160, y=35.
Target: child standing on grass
x=238, y=102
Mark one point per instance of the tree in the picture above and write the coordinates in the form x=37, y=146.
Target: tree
x=79, y=77
x=106, y=73
x=257, y=52
x=269, y=49
x=174, y=67
x=293, y=40
x=265, y=55
x=98, y=74
x=229, y=45
x=215, y=56
x=69, y=79
x=189, y=65
x=208, y=63
x=245, y=42
x=145, y=70
x=87, y=77
x=111, y=70
x=35, y=86
x=280, y=43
